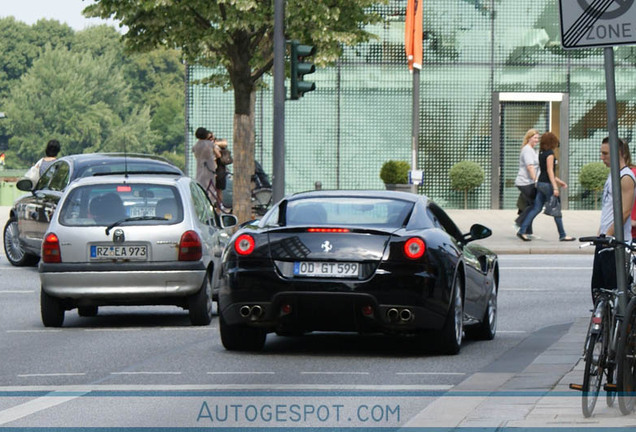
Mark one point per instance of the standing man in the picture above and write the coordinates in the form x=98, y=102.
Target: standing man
x=604, y=270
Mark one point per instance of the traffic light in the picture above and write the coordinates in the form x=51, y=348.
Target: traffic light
x=300, y=68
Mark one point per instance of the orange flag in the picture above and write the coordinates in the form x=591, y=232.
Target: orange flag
x=413, y=34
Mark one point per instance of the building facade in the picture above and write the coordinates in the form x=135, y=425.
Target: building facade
x=492, y=69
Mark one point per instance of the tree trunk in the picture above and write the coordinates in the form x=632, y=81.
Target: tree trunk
x=243, y=156
x=466, y=199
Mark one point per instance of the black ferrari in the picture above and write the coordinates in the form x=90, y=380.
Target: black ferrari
x=358, y=261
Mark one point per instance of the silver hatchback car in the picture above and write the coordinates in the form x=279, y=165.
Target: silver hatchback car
x=132, y=240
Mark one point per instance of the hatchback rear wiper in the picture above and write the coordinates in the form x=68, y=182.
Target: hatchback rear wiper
x=132, y=219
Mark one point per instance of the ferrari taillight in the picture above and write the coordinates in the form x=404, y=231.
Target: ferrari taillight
x=244, y=244
x=51, y=249
x=414, y=248
x=190, y=248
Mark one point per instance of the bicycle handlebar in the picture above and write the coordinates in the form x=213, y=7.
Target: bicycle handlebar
x=607, y=241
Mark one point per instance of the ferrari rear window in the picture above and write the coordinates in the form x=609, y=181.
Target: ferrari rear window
x=343, y=211
x=104, y=204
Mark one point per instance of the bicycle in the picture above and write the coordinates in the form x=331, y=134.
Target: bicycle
x=603, y=341
x=626, y=359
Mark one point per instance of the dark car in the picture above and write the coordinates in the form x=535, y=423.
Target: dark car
x=30, y=215
x=363, y=261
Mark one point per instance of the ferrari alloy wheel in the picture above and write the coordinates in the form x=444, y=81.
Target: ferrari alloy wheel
x=453, y=330
x=13, y=248
x=241, y=337
x=487, y=328
x=51, y=310
x=200, y=307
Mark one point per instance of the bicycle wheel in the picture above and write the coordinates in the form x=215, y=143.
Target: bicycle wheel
x=593, y=373
x=626, y=361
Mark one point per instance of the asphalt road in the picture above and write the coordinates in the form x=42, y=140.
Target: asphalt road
x=147, y=367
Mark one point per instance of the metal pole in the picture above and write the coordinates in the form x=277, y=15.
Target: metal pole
x=278, y=147
x=415, y=118
x=612, y=126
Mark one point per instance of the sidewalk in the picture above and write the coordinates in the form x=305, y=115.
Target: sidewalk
x=577, y=223
x=537, y=398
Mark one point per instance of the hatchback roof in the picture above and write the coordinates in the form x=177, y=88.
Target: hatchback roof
x=150, y=163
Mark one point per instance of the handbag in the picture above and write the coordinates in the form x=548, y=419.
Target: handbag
x=553, y=206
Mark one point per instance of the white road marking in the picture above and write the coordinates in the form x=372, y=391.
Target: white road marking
x=64, y=374
x=431, y=373
x=35, y=331
x=241, y=373
x=26, y=409
x=17, y=292
x=82, y=389
x=334, y=373
x=546, y=268
x=145, y=373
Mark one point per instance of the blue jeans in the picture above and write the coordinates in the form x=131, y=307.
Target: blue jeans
x=544, y=191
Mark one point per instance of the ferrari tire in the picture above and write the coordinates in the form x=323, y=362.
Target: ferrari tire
x=13, y=249
x=450, y=337
x=51, y=310
x=487, y=328
x=201, y=304
x=87, y=311
x=241, y=337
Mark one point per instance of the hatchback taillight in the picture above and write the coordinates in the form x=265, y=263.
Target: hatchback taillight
x=51, y=249
x=244, y=244
x=190, y=248
x=414, y=248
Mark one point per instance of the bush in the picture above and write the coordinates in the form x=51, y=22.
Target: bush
x=466, y=176
x=592, y=177
x=395, y=172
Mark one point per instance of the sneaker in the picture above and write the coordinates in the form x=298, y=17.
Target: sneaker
x=533, y=237
x=567, y=238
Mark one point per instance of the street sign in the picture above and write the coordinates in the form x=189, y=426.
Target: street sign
x=597, y=23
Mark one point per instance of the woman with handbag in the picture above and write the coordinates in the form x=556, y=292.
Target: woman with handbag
x=547, y=188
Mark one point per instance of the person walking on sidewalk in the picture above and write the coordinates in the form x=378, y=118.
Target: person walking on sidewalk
x=527, y=176
x=548, y=185
x=604, y=267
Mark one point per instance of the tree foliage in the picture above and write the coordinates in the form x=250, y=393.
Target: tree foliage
x=592, y=177
x=235, y=37
x=466, y=176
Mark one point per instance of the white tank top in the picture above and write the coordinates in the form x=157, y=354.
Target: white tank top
x=607, y=208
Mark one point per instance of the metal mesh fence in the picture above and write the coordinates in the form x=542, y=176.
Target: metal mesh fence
x=359, y=116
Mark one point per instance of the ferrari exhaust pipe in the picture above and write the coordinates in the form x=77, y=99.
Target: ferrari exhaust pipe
x=245, y=311
x=257, y=311
x=392, y=314
x=405, y=315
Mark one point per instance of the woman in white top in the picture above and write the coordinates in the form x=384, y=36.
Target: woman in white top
x=527, y=175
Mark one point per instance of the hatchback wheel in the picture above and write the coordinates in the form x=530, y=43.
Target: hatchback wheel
x=452, y=333
x=200, y=304
x=13, y=248
x=51, y=310
x=241, y=337
x=87, y=311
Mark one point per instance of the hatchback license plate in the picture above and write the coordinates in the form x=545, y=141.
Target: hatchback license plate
x=134, y=252
x=326, y=269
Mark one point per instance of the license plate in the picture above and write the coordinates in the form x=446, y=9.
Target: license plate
x=326, y=269
x=131, y=252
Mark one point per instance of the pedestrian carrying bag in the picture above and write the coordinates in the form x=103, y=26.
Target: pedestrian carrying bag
x=553, y=206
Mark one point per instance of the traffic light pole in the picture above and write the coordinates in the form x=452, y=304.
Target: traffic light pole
x=278, y=156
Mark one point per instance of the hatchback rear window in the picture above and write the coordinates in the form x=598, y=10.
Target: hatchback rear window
x=104, y=204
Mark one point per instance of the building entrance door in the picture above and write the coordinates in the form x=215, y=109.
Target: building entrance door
x=513, y=115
